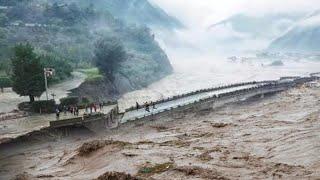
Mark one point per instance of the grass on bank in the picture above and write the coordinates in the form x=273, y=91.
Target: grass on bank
x=92, y=74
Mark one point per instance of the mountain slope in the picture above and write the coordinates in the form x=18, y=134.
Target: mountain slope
x=140, y=12
x=304, y=37
x=69, y=31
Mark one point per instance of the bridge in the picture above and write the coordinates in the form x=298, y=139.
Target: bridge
x=198, y=100
x=183, y=100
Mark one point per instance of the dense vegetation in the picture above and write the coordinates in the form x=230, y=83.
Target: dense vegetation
x=66, y=35
x=109, y=53
x=27, y=73
x=5, y=82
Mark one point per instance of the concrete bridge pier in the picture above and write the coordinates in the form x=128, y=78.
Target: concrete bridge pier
x=102, y=122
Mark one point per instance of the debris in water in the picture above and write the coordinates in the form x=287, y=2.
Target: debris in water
x=219, y=125
x=23, y=176
x=149, y=170
x=89, y=147
x=117, y=176
x=200, y=172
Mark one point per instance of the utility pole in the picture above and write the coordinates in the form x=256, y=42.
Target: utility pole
x=48, y=72
x=46, y=82
x=53, y=95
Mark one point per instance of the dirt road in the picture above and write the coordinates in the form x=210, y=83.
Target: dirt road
x=271, y=138
x=9, y=99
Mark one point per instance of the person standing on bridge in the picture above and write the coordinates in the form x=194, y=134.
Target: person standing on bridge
x=153, y=105
x=147, y=107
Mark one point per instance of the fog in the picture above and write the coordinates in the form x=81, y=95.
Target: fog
x=201, y=13
x=199, y=53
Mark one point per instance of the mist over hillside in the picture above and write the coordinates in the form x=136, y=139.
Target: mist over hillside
x=140, y=12
x=302, y=38
x=236, y=34
x=250, y=26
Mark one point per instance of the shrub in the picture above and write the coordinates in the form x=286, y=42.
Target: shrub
x=5, y=82
x=85, y=100
x=72, y=100
x=43, y=106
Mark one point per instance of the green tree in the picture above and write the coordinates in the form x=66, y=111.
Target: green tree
x=3, y=19
x=27, y=72
x=109, y=52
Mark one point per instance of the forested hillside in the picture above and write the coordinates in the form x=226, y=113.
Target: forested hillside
x=65, y=34
x=140, y=12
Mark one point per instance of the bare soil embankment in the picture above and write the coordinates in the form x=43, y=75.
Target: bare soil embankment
x=276, y=137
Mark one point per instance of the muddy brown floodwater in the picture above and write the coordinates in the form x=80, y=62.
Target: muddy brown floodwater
x=277, y=137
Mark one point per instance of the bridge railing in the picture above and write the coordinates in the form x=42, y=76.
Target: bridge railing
x=86, y=118
x=296, y=79
x=264, y=86
x=316, y=74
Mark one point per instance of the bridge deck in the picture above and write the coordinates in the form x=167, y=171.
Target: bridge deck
x=132, y=115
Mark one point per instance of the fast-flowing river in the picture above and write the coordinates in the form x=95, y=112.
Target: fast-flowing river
x=194, y=72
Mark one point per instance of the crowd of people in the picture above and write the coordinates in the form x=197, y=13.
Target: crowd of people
x=89, y=109
x=74, y=109
x=95, y=107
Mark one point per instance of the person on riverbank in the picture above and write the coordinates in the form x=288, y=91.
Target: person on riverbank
x=86, y=108
x=77, y=111
x=71, y=109
x=57, y=113
x=101, y=106
x=65, y=109
x=91, y=107
x=74, y=110
x=95, y=107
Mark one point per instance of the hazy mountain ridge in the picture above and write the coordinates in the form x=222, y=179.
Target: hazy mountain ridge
x=255, y=32
x=303, y=38
x=272, y=24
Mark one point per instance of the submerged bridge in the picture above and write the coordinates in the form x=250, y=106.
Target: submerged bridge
x=197, y=100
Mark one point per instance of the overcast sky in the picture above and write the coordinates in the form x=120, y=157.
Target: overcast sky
x=206, y=12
